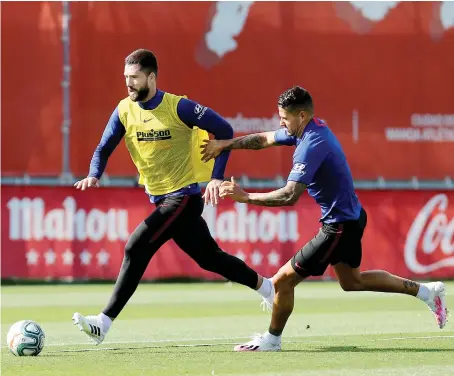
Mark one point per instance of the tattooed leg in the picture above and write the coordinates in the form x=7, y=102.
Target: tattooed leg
x=351, y=279
x=380, y=280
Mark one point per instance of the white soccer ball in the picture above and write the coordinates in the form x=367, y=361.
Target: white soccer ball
x=25, y=338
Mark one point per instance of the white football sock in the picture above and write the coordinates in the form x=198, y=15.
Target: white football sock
x=272, y=338
x=106, y=322
x=266, y=288
x=423, y=292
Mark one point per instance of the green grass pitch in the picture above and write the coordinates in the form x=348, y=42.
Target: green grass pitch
x=190, y=329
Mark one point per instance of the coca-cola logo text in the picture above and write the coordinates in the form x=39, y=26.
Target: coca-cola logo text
x=438, y=234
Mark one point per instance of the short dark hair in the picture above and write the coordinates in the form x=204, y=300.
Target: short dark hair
x=145, y=58
x=296, y=98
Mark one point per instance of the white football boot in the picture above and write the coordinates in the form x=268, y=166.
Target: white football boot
x=91, y=325
x=437, y=302
x=267, y=303
x=258, y=343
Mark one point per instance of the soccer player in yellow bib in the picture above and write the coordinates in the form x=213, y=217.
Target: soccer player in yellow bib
x=163, y=133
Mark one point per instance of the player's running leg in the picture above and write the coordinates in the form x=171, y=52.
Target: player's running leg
x=143, y=243
x=346, y=262
x=311, y=260
x=193, y=237
x=285, y=281
x=433, y=293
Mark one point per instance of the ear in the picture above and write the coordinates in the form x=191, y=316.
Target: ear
x=303, y=115
x=152, y=76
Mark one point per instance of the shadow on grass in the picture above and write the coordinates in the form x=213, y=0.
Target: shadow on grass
x=341, y=349
x=203, y=348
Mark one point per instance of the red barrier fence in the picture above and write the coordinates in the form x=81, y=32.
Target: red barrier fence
x=61, y=232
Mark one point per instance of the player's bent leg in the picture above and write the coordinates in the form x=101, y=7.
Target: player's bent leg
x=193, y=237
x=236, y=270
x=230, y=267
x=285, y=281
x=352, y=279
x=138, y=253
x=433, y=294
x=135, y=260
x=312, y=259
x=203, y=249
x=142, y=244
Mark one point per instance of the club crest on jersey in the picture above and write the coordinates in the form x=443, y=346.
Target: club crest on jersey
x=199, y=110
x=153, y=135
x=299, y=168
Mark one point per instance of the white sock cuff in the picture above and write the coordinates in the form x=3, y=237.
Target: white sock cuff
x=423, y=292
x=266, y=288
x=106, y=321
x=272, y=338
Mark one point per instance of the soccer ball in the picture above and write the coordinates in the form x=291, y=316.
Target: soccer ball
x=25, y=338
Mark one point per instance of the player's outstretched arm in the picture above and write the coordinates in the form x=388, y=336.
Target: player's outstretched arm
x=285, y=196
x=113, y=133
x=254, y=141
x=212, y=148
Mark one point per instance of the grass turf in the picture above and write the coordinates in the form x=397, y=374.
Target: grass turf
x=190, y=329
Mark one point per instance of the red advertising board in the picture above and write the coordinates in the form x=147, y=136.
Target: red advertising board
x=61, y=232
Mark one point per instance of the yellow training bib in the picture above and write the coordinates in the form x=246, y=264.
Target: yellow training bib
x=165, y=151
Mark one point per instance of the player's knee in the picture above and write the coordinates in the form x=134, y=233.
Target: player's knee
x=283, y=286
x=285, y=280
x=351, y=285
x=130, y=248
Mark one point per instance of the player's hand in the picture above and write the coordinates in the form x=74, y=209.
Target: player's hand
x=211, y=194
x=87, y=183
x=233, y=190
x=211, y=149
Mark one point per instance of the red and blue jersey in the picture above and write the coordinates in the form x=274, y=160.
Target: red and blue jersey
x=320, y=163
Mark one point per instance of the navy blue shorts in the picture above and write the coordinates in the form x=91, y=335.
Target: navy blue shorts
x=334, y=243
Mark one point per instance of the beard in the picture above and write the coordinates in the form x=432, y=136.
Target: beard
x=139, y=94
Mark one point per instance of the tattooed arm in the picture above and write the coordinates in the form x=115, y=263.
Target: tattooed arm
x=253, y=141
x=212, y=148
x=285, y=196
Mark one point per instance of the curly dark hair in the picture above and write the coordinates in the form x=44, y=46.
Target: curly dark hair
x=145, y=58
x=296, y=99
